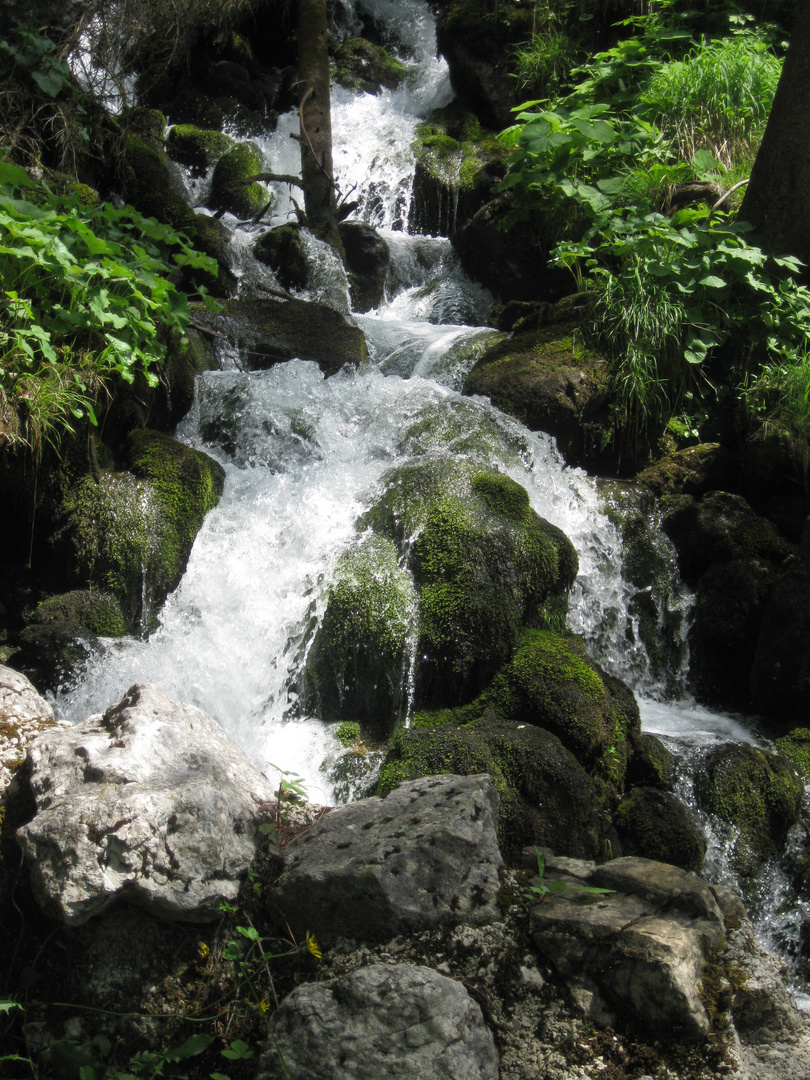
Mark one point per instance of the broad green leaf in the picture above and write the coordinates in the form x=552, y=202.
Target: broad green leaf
x=712, y=281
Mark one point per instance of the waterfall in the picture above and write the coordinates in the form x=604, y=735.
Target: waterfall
x=305, y=456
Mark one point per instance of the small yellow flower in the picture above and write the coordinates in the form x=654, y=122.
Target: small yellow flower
x=264, y=1005
x=313, y=946
x=204, y=950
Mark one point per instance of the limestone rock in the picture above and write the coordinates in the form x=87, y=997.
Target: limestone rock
x=382, y=1022
x=424, y=857
x=23, y=715
x=639, y=952
x=149, y=803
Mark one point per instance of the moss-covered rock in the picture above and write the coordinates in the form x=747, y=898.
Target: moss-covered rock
x=131, y=533
x=151, y=184
x=552, y=381
x=756, y=792
x=458, y=164
x=485, y=565
x=546, y=796
x=62, y=632
x=720, y=527
x=363, y=67
x=356, y=666
x=282, y=249
x=695, y=470
x=731, y=601
x=795, y=746
x=656, y=825
x=197, y=149
x=229, y=192
x=552, y=682
x=651, y=765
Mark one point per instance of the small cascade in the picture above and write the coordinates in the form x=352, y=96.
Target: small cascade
x=306, y=456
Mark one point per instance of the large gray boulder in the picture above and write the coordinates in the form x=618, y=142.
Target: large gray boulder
x=425, y=856
x=383, y=1022
x=150, y=803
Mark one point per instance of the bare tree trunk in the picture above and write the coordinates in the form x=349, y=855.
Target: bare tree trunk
x=320, y=200
x=777, y=200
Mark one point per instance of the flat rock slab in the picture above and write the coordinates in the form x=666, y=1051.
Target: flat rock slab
x=150, y=803
x=425, y=856
x=639, y=952
x=382, y=1022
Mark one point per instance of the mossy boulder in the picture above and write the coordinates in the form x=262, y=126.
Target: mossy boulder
x=269, y=332
x=651, y=765
x=196, y=148
x=485, y=565
x=282, y=249
x=720, y=527
x=477, y=42
x=130, y=533
x=357, y=661
x=553, y=381
x=63, y=631
x=229, y=190
x=458, y=164
x=545, y=795
x=753, y=791
x=694, y=470
x=363, y=67
x=551, y=682
x=654, y=824
x=151, y=183
x=231, y=80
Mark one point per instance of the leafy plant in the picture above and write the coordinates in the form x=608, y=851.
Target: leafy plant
x=86, y=298
x=544, y=891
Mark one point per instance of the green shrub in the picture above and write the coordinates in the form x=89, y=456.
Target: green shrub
x=86, y=298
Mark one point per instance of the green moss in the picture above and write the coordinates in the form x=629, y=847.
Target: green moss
x=197, y=148
x=364, y=67
x=552, y=682
x=796, y=748
x=545, y=796
x=758, y=793
x=655, y=825
x=228, y=188
x=131, y=533
x=96, y=612
x=355, y=667
x=150, y=184
x=348, y=733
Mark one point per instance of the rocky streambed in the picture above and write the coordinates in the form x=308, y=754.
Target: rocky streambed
x=157, y=857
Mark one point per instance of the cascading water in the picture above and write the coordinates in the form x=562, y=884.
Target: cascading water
x=305, y=456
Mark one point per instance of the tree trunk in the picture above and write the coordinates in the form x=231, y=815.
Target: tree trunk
x=317, y=174
x=777, y=200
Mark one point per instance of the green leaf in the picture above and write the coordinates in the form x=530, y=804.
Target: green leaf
x=194, y=1045
x=712, y=281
